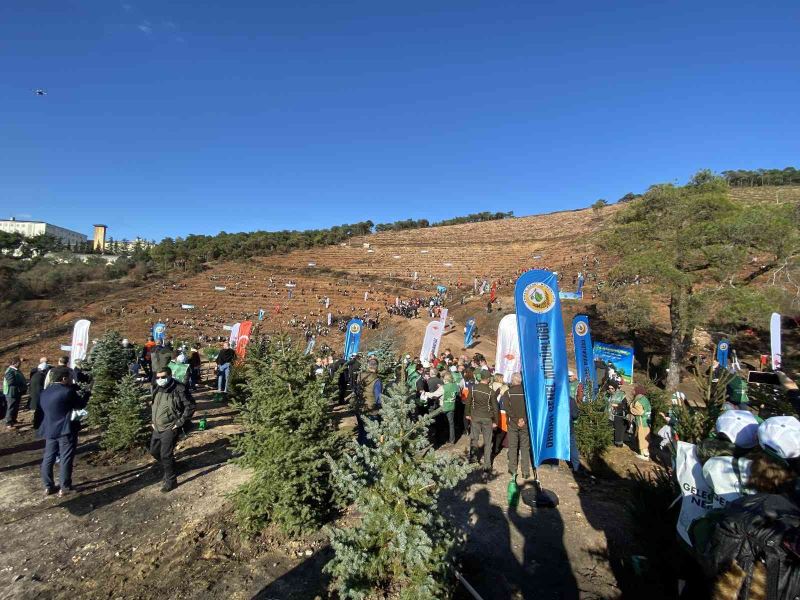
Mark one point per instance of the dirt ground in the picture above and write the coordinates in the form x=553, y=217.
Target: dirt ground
x=119, y=537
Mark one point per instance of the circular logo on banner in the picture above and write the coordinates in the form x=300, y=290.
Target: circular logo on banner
x=471, y=322
x=723, y=346
x=355, y=328
x=580, y=328
x=539, y=297
x=510, y=356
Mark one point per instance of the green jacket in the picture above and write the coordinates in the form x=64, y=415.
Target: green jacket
x=482, y=403
x=14, y=384
x=366, y=382
x=172, y=406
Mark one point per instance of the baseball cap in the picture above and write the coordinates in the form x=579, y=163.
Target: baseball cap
x=739, y=427
x=780, y=436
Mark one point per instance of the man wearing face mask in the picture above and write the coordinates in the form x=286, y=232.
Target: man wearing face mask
x=173, y=406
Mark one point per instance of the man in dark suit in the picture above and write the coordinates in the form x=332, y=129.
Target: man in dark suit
x=59, y=430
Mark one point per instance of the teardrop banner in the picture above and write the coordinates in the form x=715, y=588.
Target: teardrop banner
x=775, y=340
x=507, y=360
x=430, y=344
x=723, y=348
x=234, y=337
x=469, y=333
x=159, y=331
x=80, y=342
x=584, y=358
x=352, y=337
x=543, y=348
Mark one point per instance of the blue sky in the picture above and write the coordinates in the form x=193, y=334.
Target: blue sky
x=176, y=117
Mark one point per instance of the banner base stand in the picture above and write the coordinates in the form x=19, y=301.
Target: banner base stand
x=539, y=497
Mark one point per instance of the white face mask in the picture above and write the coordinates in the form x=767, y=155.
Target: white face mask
x=162, y=381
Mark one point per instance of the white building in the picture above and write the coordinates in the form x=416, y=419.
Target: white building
x=31, y=229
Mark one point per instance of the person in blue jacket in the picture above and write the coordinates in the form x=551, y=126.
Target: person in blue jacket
x=59, y=430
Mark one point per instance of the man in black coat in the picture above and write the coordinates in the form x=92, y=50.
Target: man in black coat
x=173, y=406
x=59, y=430
x=35, y=389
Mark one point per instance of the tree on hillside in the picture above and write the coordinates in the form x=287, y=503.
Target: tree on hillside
x=108, y=364
x=402, y=546
x=696, y=246
x=599, y=205
x=127, y=425
x=288, y=430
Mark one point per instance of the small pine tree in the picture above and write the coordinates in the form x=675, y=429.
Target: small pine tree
x=402, y=546
x=126, y=417
x=384, y=350
x=108, y=364
x=593, y=434
x=288, y=432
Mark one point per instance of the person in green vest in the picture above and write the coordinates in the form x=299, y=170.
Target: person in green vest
x=737, y=394
x=640, y=409
x=447, y=394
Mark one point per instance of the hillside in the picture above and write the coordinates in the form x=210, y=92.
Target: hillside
x=387, y=266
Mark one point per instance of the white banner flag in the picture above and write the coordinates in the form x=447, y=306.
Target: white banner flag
x=775, y=340
x=430, y=345
x=507, y=360
x=234, y=335
x=80, y=342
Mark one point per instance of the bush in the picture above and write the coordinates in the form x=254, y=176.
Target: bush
x=288, y=431
x=126, y=417
x=402, y=546
x=108, y=365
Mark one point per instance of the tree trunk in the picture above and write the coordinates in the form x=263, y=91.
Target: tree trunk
x=677, y=347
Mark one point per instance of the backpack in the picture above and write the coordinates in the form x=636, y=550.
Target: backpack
x=761, y=528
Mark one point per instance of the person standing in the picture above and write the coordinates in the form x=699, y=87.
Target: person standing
x=640, y=409
x=195, y=363
x=225, y=358
x=482, y=413
x=575, y=397
x=519, y=439
x=35, y=389
x=616, y=405
x=59, y=430
x=14, y=386
x=172, y=408
x=146, y=357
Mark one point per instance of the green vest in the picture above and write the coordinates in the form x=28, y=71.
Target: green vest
x=573, y=389
x=643, y=420
x=179, y=371
x=451, y=390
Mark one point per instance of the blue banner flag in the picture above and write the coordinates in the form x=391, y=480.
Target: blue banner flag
x=723, y=348
x=352, y=337
x=543, y=351
x=159, y=331
x=469, y=333
x=584, y=358
x=261, y=314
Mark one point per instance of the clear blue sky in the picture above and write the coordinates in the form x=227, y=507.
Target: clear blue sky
x=176, y=117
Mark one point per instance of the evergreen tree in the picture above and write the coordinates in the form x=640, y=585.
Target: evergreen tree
x=288, y=432
x=126, y=417
x=592, y=432
x=384, y=350
x=108, y=365
x=402, y=546
x=694, y=244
